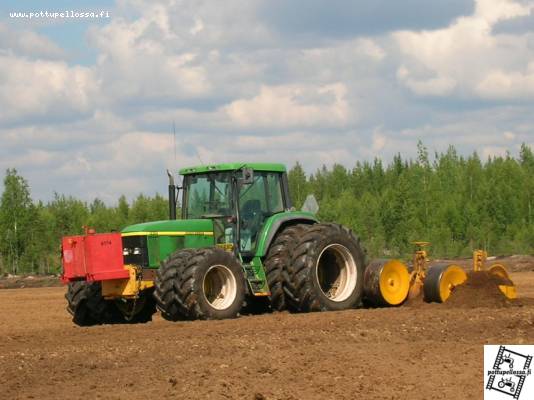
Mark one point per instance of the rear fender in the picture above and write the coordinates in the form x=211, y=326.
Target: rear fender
x=277, y=222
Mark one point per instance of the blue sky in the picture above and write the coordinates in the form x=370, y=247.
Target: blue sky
x=87, y=106
x=68, y=34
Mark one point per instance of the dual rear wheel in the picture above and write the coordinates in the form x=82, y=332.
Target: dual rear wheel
x=326, y=270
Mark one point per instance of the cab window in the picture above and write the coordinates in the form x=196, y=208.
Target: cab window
x=257, y=202
x=208, y=195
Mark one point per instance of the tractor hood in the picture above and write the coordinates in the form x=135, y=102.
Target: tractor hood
x=170, y=227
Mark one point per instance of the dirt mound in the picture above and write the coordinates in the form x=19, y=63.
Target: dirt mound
x=480, y=290
x=29, y=281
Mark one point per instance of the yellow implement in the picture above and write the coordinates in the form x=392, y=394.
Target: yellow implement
x=437, y=281
x=440, y=281
x=420, y=262
x=386, y=282
x=389, y=282
x=497, y=271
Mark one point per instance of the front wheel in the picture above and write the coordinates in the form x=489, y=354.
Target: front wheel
x=86, y=304
x=208, y=283
x=137, y=311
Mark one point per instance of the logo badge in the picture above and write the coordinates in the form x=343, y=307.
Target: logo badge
x=507, y=373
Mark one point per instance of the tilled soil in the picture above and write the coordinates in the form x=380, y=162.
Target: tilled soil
x=29, y=281
x=480, y=290
x=427, y=352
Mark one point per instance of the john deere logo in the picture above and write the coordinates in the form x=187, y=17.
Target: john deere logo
x=507, y=372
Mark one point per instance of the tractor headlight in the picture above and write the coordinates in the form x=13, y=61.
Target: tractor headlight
x=135, y=251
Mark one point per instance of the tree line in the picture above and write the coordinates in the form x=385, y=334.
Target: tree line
x=31, y=232
x=457, y=203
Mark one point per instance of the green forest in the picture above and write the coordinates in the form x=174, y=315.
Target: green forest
x=457, y=203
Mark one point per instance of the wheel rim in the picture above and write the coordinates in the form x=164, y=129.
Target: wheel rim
x=451, y=277
x=507, y=287
x=394, y=282
x=337, y=273
x=130, y=307
x=220, y=287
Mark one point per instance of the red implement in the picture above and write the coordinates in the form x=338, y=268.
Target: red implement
x=93, y=257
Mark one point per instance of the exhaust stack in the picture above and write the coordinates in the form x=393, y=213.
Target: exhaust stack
x=172, y=196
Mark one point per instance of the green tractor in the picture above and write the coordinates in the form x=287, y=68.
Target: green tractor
x=240, y=246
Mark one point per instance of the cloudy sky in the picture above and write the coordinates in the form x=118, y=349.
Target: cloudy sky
x=87, y=105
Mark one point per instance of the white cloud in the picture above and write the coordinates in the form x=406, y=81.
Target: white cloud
x=507, y=84
x=27, y=43
x=292, y=106
x=379, y=141
x=509, y=135
x=44, y=88
x=495, y=10
x=467, y=58
x=134, y=64
x=370, y=48
x=437, y=86
x=494, y=151
x=198, y=27
x=238, y=90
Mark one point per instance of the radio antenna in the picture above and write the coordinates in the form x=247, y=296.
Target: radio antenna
x=174, y=141
x=198, y=155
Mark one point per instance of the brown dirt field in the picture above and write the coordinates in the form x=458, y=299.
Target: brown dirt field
x=29, y=281
x=431, y=351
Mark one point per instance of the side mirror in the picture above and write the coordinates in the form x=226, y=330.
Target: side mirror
x=248, y=176
x=310, y=204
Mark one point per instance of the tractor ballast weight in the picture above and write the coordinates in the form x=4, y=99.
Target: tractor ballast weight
x=237, y=244
x=92, y=257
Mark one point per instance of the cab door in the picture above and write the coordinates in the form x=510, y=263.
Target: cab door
x=257, y=202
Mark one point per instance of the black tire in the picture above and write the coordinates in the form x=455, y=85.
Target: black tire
x=431, y=291
x=86, y=304
x=326, y=254
x=277, y=262
x=145, y=308
x=167, y=291
x=188, y=285
x=255, y=305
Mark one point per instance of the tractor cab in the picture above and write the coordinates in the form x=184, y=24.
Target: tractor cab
x=237, y=199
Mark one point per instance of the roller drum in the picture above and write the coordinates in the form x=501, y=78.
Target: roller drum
x=440, y=281
x=386, y=283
